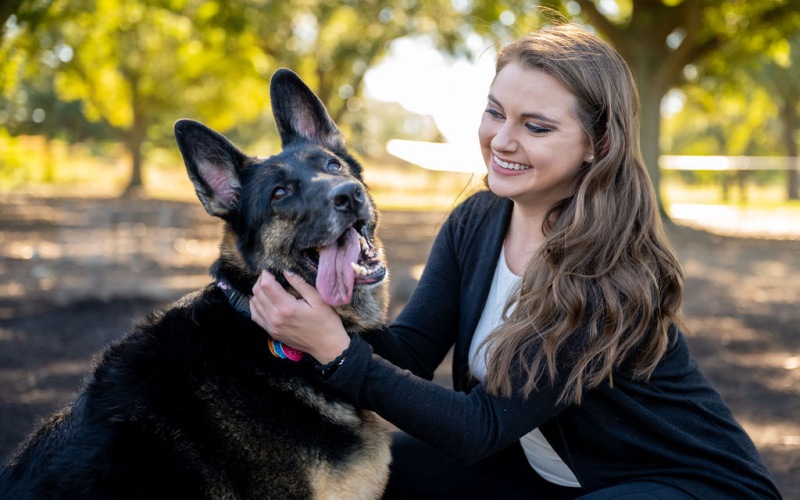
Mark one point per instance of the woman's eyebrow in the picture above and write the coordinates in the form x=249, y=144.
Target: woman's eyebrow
x=536, y=116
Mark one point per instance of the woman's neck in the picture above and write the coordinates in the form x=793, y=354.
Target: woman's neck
x=524, y=237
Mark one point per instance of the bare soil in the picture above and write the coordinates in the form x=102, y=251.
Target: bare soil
x=76, y=273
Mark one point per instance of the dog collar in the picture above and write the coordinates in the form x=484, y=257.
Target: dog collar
x=241, y=303
x=283, y=351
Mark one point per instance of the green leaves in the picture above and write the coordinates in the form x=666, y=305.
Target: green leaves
x=138, y=65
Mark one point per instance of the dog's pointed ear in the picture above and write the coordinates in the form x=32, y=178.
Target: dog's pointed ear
x=213, y=164
x=299, y=113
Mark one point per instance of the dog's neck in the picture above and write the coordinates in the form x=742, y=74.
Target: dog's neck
x=241, y=302
x=238, y=279
x=234, y=284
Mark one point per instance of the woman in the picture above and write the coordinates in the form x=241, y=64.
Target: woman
x=561, y=296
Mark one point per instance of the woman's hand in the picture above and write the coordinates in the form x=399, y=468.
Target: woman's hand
x=307, y=324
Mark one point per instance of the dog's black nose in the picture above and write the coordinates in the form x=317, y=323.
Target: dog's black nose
x=347, y=197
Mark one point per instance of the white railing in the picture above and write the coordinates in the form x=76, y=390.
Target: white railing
x=723, y=163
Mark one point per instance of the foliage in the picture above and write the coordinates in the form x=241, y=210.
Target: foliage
x=722, y=118
x=138, y=65
x=750, y=108
x=332, y=44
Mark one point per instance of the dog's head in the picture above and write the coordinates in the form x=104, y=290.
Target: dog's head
x=305, y=209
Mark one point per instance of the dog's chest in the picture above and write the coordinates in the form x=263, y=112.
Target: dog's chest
x=290, y=425
x=247, y=417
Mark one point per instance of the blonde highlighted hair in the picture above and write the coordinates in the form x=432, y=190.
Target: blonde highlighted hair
x=607, y=271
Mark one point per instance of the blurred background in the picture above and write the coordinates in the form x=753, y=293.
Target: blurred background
x=90, y=88
x=99, y=223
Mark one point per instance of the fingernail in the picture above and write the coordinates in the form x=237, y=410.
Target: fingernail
x=289, y=273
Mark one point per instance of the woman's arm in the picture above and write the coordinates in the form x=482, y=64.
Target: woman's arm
x=425, y=330
x=466, y=427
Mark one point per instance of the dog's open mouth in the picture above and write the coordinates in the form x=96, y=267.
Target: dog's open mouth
x=349, y=261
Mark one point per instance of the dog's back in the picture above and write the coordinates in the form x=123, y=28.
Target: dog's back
x=192, y=405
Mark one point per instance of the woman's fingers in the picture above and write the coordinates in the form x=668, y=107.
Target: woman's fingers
x=307, y=291
x=307, y=323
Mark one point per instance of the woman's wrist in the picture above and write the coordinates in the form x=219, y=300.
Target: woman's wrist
x=331, y=349
x=328, y=369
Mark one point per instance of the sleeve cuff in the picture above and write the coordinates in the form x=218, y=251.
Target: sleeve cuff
x=346, y=373
x=325, y=371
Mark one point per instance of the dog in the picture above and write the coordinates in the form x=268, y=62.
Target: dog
x=197, y=401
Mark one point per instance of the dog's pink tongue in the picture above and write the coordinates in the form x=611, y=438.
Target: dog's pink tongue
x=335, y=275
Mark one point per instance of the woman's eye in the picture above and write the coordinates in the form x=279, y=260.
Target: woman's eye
x=494, y=113
x=333, y=166
x=536, y=129
x=279, y=193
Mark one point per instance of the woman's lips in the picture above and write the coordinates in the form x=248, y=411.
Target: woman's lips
x=508, y=167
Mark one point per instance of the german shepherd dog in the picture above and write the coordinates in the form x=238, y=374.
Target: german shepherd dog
x=193, y=403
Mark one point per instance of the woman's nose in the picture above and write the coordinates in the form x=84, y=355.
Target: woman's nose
x=504, y=140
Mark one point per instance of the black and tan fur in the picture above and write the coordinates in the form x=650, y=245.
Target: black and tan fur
x=191, y=404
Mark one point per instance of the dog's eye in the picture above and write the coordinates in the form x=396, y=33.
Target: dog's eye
x=279, y=193
x=333, y=166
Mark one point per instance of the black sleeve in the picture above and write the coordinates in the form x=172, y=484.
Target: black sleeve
x=466, y=427
x=390, y=373
x=421, y=336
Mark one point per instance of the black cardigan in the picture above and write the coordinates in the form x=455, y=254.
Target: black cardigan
x=674, y=429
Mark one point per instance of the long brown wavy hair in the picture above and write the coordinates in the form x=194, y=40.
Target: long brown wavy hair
x=607, y=271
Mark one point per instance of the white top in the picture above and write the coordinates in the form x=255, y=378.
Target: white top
x=541, y=456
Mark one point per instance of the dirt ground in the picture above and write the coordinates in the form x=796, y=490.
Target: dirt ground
x=77, y=273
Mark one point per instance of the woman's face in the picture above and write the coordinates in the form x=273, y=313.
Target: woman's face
x=532, y=142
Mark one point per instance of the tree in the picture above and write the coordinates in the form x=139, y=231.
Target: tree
x=135, y=65
x=138, y=66
x=751, y=108
x=781, y=74
x=728, y=114
x=332, y=44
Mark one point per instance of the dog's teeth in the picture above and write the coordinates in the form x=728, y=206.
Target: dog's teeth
x=360, y=270
x=364, y=244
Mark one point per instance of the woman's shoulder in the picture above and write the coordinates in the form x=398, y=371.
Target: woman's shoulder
x=479, y=205
x=478, y=221
x=483, y=198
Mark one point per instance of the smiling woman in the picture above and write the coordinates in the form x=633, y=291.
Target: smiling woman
x=531, y=139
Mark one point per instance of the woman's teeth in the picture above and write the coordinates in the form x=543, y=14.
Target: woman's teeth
x=511, y=166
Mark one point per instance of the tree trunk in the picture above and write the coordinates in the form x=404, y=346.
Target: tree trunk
x=135, y=187
x=650, y=116
x=137, y=135
x=790, y=120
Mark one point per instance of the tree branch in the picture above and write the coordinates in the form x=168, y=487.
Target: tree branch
x=613, y=33
x=7, y=9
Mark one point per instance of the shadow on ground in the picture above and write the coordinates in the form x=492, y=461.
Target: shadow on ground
x=77, y=273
